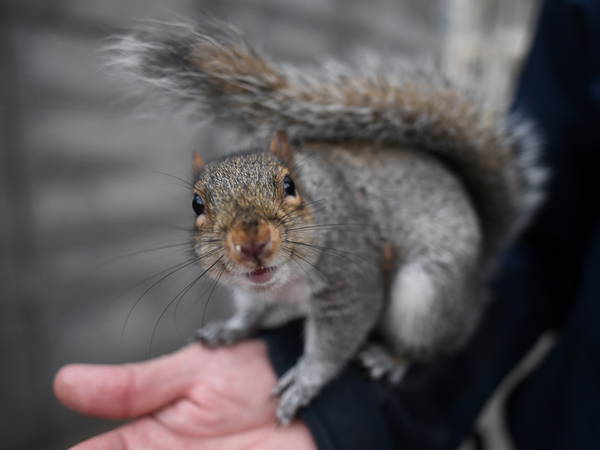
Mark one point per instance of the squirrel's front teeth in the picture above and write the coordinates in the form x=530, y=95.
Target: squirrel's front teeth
x=261, y=275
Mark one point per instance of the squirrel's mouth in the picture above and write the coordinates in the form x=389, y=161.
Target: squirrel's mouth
x=261, y=275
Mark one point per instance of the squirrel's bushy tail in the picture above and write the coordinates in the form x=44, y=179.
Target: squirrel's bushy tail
x=223, y=77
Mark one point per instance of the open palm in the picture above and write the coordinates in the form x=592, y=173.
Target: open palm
x=196, y=398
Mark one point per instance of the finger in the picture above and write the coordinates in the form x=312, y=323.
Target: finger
x=113, y=440
x=144, y=433
x=118, y=392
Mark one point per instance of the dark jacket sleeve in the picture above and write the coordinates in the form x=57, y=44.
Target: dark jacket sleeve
x=558, y=405
x=549, y=282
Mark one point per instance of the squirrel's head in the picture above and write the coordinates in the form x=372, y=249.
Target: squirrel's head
x=251, y=218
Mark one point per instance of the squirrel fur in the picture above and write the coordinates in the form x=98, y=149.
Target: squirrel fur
x=381, y=223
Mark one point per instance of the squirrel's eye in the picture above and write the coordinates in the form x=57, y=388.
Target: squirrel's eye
x=288, y=186
x=198, y=205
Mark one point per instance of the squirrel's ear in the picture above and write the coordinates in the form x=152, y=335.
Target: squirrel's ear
x=197, y=162
x=281, y=147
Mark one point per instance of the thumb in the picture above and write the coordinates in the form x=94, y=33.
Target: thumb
x=130, y=390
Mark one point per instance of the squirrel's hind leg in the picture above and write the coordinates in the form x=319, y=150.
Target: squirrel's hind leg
x=433, y=308
x=381, y=363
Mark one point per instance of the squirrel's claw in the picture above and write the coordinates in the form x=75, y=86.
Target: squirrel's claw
x=283, y=382
x=295, y=396
x=381, y=364
x=218, y=334
x=296, y=388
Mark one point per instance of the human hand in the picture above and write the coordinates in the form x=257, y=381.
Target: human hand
x=195, y=398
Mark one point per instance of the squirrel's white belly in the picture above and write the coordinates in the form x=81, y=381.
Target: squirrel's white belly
x=287, y=304
x=282, y=305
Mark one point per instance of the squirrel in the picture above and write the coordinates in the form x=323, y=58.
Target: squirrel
x=378, y=211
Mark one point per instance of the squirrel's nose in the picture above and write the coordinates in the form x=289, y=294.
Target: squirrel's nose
x=255, y=244
x=253, y=249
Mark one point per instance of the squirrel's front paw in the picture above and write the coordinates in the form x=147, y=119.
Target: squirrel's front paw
x=296, y=388
x=220, y=333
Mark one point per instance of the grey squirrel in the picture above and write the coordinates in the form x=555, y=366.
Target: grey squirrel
x=378, y=211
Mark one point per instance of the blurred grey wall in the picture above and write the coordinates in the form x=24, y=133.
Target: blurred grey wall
x=85, y=178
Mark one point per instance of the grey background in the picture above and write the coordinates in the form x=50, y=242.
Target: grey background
x=80, y=182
